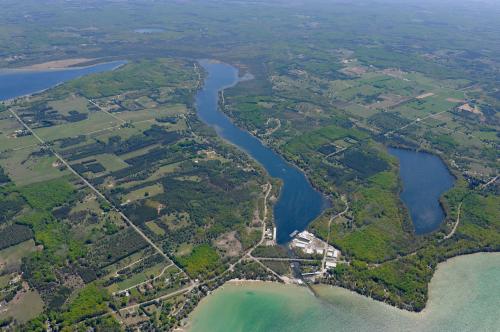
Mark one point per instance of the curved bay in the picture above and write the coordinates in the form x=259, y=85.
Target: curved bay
x=464, y=296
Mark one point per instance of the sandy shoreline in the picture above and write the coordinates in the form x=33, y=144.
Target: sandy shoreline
x=56, y=64
x=27, y=95
x=243, y=282
x=344, y=300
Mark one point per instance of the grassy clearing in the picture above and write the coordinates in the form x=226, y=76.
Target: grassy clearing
x=123, y=132
x=361, y=111
x=138, y=152
x=11, y=257
x=157, y=175
x=151, y=114
x=87, y=205
x=313, y=140
x=138, y=278
x=14, y=143
x=113, y=268
x=184, y=249
x=7, y=136
x=155, y=228
x=110, y=161
x=71, y=103
x=142, y=193
x=24, y=169
x=96, y=121
x=27, y=306
x=176, y=221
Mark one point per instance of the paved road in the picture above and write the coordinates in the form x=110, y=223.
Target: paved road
x=323, y=261
x=105, y=111
x=285, y=259
x=456, y=223
x=94, y=189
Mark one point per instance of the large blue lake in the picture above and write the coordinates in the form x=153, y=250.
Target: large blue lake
x=425, y=178
x=299, y=203
x=15, y=83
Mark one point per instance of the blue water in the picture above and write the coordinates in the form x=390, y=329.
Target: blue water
x=149, y=30
x=15, y=83
x=425, y=178
x=299, y=203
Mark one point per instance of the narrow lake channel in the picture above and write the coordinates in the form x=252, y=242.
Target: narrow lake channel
x=299, y=203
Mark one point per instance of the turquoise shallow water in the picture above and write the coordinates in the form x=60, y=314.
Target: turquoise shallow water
x=464, y=296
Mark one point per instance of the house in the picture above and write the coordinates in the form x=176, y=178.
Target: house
x=330, y=264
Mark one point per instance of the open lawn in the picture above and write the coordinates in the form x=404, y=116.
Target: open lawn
x=8, y=139
x=184, y=249
x=25, y=306
x=110, y=162
x=96, y=121
x=24, y=168
x=137, y=278
x=10, y=258
x=155, y=228
x=70, y=103
x=113, y=268
x=142, y=193
x=151, y=114
x=24, y=142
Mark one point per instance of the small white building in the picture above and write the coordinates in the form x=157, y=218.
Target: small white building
x=311, y=245
x=336, y=253
x=330, y=264
x=299, y=244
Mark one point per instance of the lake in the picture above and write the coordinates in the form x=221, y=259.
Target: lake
x=425, y=178
x=299, y=203
x=15, y=83
x=464, y=295
x=149, y=30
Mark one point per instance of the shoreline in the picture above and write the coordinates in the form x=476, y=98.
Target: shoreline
x=35, y=93
x=55, y=65
x=432, y=303
x=441, y=199
x=327, y=201
x=431, y=298
x=79, y=65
